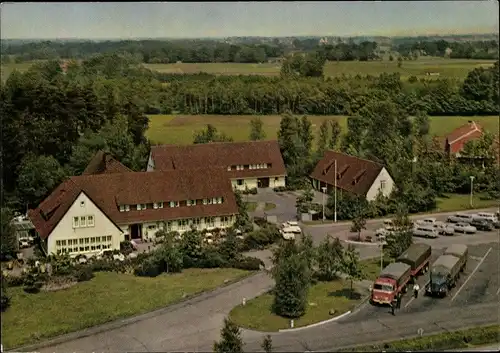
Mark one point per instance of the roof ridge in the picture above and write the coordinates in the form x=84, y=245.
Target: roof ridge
x=168, y=145
x=476, y=129
x=359, y=158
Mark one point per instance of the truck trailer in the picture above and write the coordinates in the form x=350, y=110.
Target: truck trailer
x=417, y=256
x=391, y=283
x=458, y=250
x=444, y=275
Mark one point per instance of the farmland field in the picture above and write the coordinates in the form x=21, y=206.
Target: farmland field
x=453, y=68
x=179, y=129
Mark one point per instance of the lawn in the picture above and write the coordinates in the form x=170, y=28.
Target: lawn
x=457, y=202
x=269, y=206
x=323, y=297
x=107, y=297
x=251, y=206
x=453, y=68
x=179, y=129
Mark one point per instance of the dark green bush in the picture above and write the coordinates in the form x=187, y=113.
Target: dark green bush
x=149, y=268
x=83, y=273
x=14, y=281
x=126, y=247
x=211, y=259
x=4, y=298
x=252, y=191
x=280, y=189
x=247, y=263
x=257, y=239
x=103, y=265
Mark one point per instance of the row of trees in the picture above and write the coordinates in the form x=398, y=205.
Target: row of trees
x=455, y=50
x=477, y=95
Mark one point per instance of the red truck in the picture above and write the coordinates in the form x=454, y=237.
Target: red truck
x=418, y=257
x=391, y=282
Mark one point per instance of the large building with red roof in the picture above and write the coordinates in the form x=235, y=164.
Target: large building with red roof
x=249, y=165
x=108, y=204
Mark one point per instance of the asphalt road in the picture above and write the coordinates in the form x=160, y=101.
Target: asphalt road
x=195, y=325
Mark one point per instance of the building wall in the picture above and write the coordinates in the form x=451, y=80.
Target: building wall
x=103, y=227
x=251, y=183
x=149, y=229
x=377, y=184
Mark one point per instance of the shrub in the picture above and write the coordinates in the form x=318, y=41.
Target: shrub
x=83, y=273
x=32, y=282
x=280, y=189
x=149, y=268
x=126, y=247
x=252, y=191
x=247, y=263
x=257, y=239
x=4, y=298
x=210, y=259
x=260, y=221
x=103, y=265
x=14, y=281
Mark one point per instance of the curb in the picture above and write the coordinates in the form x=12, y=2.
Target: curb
x=360, y=243
x=112, y=325
x=316, y=324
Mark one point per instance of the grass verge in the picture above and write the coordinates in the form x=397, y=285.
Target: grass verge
x=269, y=206
x=462, y=339
x=458, y=202
x=107, y=297
x=323, y=297
x=251, y=206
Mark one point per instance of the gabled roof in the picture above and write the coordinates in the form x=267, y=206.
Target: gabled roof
x=465, y=132
x=102, y=163
x=221, y=154
x=109, y=191
x=354, y=174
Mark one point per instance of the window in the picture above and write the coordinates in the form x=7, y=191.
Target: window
x=196, y=221
x=205, y=201
x=97, y=239
x=87, y=240
x=83, y=222
x=109, y=237
x=226, y=220
x=210, y=221
x=82, y=203
x=219, y=200
x=81, y=248
x=58, y=243
x=191, y=202
x=183, y=223
x=209, y=201
x=76, y=222
x=239, y=181
x=382, y=184
x=98, y=247
x=122, y=208
x=63, y=242
x=229, y=168
x=80, y=241
x=160, y=204
x=141, y=206
x=214, y=200
x=155, y=205
x=92, y=240
x=174, y=203
x=276, y=179
x=90, y=221
x=127, y=208
x=92, y=248
x=87, y=248
x=152, y=227
x=168, y=226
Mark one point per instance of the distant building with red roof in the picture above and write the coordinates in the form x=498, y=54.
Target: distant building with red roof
x=456, y=140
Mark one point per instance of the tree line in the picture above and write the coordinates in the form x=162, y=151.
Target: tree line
x=487, y=50
x=200, y=94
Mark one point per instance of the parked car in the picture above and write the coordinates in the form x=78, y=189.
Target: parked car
x=464, y=228
x=496, y=224
x=287, y=235
x=486, y=216
x=482, y=224
x=443, y=228
x=460, y=218
x=384, y=231
x=425, y=231
x=426, y=221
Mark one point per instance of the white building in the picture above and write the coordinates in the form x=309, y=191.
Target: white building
x=90, y=213
x=251, y=164
x=354, y=175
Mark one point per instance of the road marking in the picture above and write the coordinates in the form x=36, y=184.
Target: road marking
x=472, y=274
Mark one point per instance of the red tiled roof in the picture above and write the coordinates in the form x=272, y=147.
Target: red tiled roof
x=102, y=163
x=461, y=135
x=222, y=154
x=354, y=174
x=108, y=191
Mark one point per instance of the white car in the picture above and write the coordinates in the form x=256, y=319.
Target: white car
x=490, y=217
x=287, y=235
x=385, y=231
x=425, y=231
x=465, y=228
x=444, y=228
x=460, y=218
x=426, y=221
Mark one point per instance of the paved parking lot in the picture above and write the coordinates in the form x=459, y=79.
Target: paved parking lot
x=478, y=284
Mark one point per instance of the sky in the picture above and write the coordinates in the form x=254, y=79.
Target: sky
x=227, y=19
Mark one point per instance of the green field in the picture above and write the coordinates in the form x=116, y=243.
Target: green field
x=179, y=129
x=452, y=68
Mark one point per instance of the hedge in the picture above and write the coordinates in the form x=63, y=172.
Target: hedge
x=461, y=339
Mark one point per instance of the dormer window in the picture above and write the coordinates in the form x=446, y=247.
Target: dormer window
x=160, y=204
x=229, y=168
x=205, y=201
x=191, y=202
x=122, y=208
x=209, y=201
x=141, y=206
x=127, y=208
x=174, y=204
x=155, y=205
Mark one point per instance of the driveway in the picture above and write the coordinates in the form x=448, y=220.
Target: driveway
x=284, y=201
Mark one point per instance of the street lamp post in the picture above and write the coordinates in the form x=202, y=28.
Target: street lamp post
x=335, y=195
x=324, y=190
x=471, y=188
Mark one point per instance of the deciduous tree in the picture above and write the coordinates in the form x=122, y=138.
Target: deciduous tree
x=8, y=234
x=352, y=266
x=336, y=130
x=330, y=254
x=210, y=134
x=257, y=129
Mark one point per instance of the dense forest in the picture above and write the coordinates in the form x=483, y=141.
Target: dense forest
x=220, y=51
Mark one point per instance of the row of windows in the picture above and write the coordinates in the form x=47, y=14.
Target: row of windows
x=196, y=222
x=83, y=221
x=72, y=246
x=249, y=166
x=173, y=204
